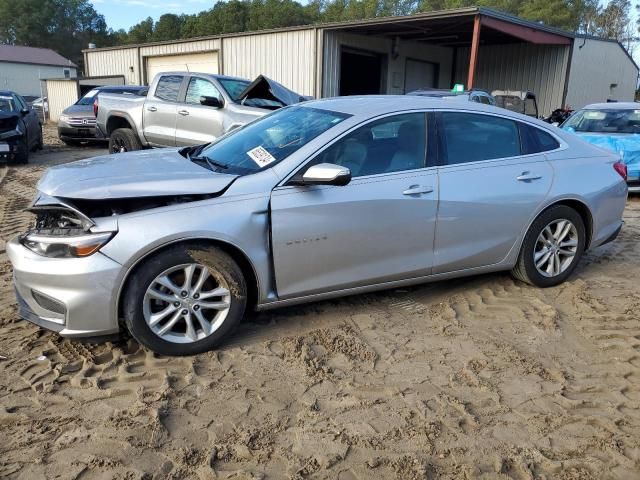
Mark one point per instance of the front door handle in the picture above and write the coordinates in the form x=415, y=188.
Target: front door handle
x=152, y=109
x=528, y=176
x=184, y=113
x=417, y=190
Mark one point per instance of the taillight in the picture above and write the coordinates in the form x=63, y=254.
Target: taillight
x=621, y=168
x=95, y=108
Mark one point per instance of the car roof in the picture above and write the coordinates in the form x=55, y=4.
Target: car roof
x=7, y=92
x=120, y=87
x=613, y=106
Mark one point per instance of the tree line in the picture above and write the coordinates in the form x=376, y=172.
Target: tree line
x=68, y=26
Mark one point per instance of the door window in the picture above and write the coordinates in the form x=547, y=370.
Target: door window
x=168, y=88
x=391, y=144
x=470, y=137
x=199, y=87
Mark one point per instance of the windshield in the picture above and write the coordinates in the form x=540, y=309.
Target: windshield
x=7, y=104
x=270, y=139
x=88, y=98
x=604, y=121
x=233, y=87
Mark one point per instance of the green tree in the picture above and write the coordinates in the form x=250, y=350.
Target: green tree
x=168, y=27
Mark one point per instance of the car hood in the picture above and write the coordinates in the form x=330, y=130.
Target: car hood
x=264, y=88
x=79, y=110
x=626, y=145
x=8, y=121
x=147, y=173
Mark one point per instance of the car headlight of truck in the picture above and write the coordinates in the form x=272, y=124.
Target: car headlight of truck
x=62, y=246
x=64, y=118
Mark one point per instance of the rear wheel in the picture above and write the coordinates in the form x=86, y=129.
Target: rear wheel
x=184, y=300
x=552, y=247
x=124, y=140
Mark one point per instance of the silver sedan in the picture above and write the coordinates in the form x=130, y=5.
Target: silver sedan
x=317, y=200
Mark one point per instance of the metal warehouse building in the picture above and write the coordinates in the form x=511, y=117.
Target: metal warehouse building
x=477, y=47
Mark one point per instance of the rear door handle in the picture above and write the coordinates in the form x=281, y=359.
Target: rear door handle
x=417, y=190
x=528, y=176
x=184, y=113
x=152, y=109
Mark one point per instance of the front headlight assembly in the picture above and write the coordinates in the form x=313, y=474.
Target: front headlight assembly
x=66, y=246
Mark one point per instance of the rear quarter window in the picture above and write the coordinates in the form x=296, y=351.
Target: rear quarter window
x=535, y=140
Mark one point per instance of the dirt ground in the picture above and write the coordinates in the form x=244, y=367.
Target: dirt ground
x=475, y=378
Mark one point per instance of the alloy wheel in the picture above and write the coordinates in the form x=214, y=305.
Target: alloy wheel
x=118, y=146
x=186, y=303
x=555, y=248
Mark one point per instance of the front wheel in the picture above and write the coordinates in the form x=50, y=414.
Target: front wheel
x=552, y=247
x=22, y=155
x=185, y=299
x=124, y=140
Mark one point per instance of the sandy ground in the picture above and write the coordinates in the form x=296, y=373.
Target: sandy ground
x=476, y=378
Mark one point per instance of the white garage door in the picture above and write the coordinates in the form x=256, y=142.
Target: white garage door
x=190, y=62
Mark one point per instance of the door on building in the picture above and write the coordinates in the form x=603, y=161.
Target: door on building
x=360, y=73
x=419, y=75
x=192, y=62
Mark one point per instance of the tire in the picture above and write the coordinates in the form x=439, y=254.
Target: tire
x=535, y=247
x=40, y=144
x=124, y=140
x=139, y=305
x=22, y=158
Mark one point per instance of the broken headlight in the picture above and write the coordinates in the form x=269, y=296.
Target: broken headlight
x=63, y=246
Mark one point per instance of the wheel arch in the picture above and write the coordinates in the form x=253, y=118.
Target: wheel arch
x=584, y=212
x=116, y=121
x=245, y=264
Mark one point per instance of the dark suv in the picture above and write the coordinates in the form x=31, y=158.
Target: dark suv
x=77, y=123
x=20, y=128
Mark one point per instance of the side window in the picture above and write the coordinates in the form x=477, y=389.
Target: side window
x=535, y=140
x=168, y=88
x=199, y=87
x=484, y=99
x=471, y=137
x=391, y=144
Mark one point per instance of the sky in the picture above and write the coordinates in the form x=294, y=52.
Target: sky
x=126, y=13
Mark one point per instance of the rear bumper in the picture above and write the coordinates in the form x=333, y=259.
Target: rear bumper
x=74, y=297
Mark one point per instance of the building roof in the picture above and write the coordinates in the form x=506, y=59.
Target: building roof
x=33, y=56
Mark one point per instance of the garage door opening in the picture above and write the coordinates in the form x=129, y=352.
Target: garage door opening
x=360, y=73
x=191, y=62
x=420, y=75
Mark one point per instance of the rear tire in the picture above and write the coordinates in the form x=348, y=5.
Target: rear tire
x=551, y=248
x=159, y=293
x=124, y=140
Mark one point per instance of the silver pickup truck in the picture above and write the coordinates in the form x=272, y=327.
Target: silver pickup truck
x=184, y=109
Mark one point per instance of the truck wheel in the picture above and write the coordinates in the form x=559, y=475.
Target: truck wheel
x=124, y=140
x=185, y=299
x=552, y=247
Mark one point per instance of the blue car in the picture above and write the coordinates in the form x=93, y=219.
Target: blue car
x=615, y=127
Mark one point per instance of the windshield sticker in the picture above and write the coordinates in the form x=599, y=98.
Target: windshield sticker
x=261, y=156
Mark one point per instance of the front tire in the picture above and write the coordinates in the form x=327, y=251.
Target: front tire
x=551, y=248
x=124, y=140
x=22, y=157
x=185, y=300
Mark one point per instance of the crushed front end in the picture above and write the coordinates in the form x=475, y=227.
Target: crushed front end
x=62, y=281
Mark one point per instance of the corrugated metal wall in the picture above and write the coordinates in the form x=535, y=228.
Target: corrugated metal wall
x=24, y=79
x=595, y=66
x=195, y=46
x=287, y=57
x=335, y=40
x=102, y=63
x=61, y=94
x=520, y=66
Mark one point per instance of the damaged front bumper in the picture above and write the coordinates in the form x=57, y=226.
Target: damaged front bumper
x=72, y=296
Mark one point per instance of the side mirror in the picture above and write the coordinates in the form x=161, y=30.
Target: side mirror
x=211, y=102
x=24, y=111
x=326, y=174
